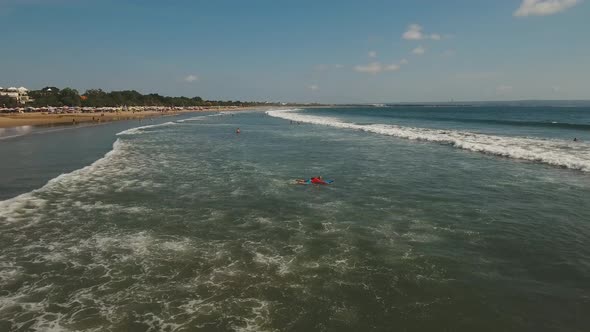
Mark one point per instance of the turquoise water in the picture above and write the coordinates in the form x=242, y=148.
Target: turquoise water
x=456, y=225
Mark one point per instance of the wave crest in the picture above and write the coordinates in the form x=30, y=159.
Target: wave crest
x=572, y=155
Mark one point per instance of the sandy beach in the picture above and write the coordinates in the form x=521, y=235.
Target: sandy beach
x=41, y=119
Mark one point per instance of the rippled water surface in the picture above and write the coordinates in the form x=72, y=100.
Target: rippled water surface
x=186, y=226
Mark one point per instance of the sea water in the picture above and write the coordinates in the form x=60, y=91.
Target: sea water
x=439, y=219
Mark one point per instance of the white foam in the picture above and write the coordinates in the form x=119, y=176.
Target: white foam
x=140, y=130
x=21, y=207
x=77, y=188
x=200, y=117
x=259, y=315
x=8, y=271
x=71, y=187
x=568, y=154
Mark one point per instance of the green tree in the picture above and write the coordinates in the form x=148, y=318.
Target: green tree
x=53, y=96
x=48, y=96
x=69, y=97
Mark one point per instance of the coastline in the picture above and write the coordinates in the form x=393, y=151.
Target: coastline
x=43, y=119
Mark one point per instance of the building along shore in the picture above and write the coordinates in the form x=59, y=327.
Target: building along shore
x=67, y=115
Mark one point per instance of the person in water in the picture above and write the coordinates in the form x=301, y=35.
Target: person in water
x=313, y=180
x=238, y=131
x=318, y=180
x=575, y=139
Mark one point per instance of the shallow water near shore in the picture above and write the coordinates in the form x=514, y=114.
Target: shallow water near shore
x=33, y=155
x=184, y=225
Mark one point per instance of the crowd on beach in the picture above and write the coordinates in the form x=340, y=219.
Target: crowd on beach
x=32, y=116
x=69, y=110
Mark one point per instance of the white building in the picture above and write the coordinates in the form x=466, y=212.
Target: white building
x=20, y=94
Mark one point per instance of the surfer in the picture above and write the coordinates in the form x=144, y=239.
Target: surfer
x=317, y=180
x=575, y=139
x=313, y=180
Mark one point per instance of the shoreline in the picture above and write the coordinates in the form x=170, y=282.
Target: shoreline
x=38, y=119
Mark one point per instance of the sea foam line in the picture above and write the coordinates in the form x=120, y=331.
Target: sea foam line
x=139, y=130
x=14, y=206
x=572, y=155
x=15, y=203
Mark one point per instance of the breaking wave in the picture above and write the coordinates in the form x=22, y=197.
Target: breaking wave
x=502, y=122
x=121, y=149
x=140, y=130
x=24, y=206
x=572, y=155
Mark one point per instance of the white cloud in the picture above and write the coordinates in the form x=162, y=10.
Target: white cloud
x=372, y=68
x=338, y=66
x=544, y=7
x=419, y=50
x=403, y=62
x=504, y=89
x=556, y=88
x=372, y=54
x=314, y=87
x=191, y=78
x=414, y=32
x=376, y=68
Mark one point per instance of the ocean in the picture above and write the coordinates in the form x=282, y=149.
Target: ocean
x=439, y=219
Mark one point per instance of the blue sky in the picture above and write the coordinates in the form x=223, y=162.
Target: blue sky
x=306, y=51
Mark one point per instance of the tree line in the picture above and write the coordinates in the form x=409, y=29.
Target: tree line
x=53, y=96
